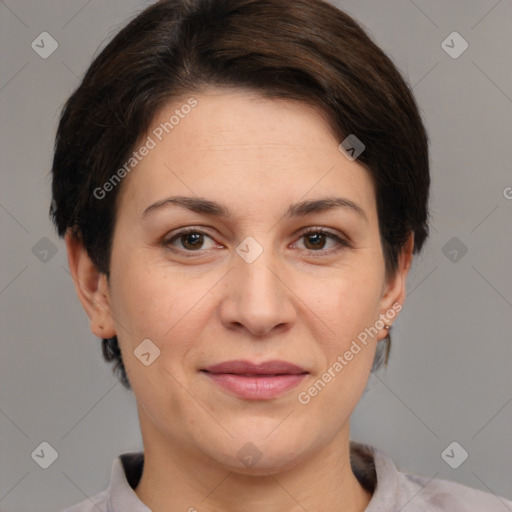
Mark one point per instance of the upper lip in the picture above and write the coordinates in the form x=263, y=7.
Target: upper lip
x=247, y=367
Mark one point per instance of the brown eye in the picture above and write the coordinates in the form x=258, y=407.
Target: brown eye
x=316, y=239
x=190, y=240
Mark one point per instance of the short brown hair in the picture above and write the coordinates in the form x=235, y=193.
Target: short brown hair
x=306, y=50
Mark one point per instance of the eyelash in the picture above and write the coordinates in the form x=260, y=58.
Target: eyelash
x=312, y=230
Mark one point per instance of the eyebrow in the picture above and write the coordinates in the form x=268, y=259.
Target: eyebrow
x=206, y=207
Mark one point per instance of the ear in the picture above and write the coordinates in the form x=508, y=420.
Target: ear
x=393, y=293
x=91, y=287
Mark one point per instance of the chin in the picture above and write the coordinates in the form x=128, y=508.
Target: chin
x=263, y=454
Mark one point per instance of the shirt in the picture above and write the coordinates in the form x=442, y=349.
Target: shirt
x=391, y=490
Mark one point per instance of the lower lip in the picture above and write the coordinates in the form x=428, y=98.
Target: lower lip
x=256, y=388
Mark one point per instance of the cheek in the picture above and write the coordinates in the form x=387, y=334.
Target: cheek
x=153, y=301
x=349, y=300
x=144, y=299
x=348, y=307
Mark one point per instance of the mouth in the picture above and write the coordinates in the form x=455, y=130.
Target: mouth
x=256, y=381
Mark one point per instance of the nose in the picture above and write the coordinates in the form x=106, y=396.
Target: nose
x=258, y=299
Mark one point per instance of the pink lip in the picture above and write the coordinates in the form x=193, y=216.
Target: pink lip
x=256, y=381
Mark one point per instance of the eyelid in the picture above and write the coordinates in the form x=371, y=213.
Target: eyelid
x=327, y=231
x=342, y=241
x=174, y=235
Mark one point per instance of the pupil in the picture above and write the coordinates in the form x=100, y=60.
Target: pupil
x=195, y=236
x=319, y=239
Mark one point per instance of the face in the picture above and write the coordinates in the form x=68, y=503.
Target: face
x=267, y=280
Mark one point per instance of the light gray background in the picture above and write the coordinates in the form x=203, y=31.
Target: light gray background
x=449, y=377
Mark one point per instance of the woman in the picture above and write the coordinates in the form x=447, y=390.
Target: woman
x=242, y=185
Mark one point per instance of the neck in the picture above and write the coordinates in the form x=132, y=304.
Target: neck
x=177, y=478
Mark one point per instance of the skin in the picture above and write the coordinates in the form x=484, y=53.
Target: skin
x=256, y=156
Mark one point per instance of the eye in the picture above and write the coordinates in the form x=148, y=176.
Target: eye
x=190, y=239
x=316, y=239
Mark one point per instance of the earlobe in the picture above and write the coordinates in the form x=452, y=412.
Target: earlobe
x=395, y=289
x=91, y=287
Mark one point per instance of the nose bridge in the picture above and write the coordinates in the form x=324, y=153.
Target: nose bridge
x=258, y=298
x=255, y=259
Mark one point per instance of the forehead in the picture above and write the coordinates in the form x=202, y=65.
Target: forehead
x=227, y=110
x=241, y=146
